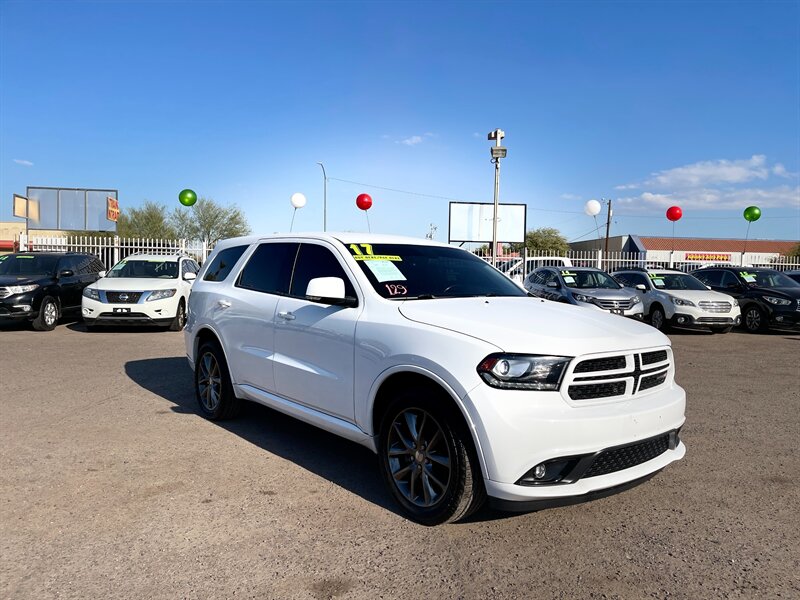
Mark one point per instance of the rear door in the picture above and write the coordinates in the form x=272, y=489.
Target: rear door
x=71, y=285
x=314, y=341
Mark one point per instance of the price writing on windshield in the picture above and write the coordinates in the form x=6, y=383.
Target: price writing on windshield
x=396, y=290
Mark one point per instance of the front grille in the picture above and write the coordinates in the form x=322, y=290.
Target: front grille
x=123, y=297
x=596, y=390
x=715, y=306
x=652, y=381
x=601, y=364
x=714, y=320
x=609, y=304
x=650, y=358
x=122, y=316
x=617, y=459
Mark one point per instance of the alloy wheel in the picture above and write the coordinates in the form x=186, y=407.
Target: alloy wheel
x=50, y=314
x=419, y=457
x=753, y=319
x=657, y=319
x=209, y=382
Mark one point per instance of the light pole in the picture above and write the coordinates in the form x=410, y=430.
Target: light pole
x=324, y=198
x=497, y=153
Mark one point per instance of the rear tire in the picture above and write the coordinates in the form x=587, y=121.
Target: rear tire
x=212, y=384
x=48, y=315
x=428, y=460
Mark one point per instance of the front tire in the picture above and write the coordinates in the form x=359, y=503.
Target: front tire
x=754, y=320
x=212, y=384
x=657, y=318
x=180, y=318
x=427, y=459
x=48, y=315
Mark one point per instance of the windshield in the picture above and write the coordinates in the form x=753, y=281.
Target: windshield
x=412, y=272
x=25, y=265
x=676, y=281
x=152, y=268
x=583, y=280
x=768, y=279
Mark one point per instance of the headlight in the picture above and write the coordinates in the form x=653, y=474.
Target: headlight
x=635, y=300
x=582, y=298
x=522, y=371
x=682, y=302
x=735, y=302
x=160, y=295
x=778, y=301
x=91, y=293
x=21, y=289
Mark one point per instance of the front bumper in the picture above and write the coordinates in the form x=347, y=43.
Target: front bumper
x=785, y=319
x=518, y=430
x=19, y=307
x=705, y=321
x=157, y=313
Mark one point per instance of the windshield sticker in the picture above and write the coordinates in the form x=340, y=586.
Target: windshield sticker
x=384, y=270
x=24, y=256
x=658, y=282
x=748, y=277
x=396, y=290
x=566, y=274
x=568, y=278
x=5, y=256
x=364, y=252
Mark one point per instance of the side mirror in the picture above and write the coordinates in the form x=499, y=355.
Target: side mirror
x=329, y=290
x=708, y=286
x=66, y=273
x=189, y=276
x=553, y=284
x=101, y=274
x=640, y=286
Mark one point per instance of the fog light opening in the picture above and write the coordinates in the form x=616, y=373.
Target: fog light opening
x=539, y=471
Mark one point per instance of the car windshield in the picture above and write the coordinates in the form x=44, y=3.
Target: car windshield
x=767, y=279
x=583, y=280
x=676, y=281
x=418, y=272
x=151, y=268
x=25, y=265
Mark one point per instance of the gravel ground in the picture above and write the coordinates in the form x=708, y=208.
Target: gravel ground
x=114, y=487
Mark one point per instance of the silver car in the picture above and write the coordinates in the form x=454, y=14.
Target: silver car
x=584, y=286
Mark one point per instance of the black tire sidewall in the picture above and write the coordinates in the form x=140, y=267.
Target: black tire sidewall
x=761, y=318
x=653, y=311
x=226, y=396
x=39, y=323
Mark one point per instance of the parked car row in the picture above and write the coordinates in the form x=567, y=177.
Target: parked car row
x=142, y=289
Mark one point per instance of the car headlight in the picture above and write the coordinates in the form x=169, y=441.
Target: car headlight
x=91, y=293
x=682, y=302
x=523, y=371
x=160, y=295
x=778, y=301
x=735, y=302
x=21, y=289
x=584, y=298
x=635, y=300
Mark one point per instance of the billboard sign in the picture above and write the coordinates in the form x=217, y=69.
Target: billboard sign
x=71, y=209
x=112, y=209
x=473, y=222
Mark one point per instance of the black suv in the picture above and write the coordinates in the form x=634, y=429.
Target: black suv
x=43, y=286
x=767, y=297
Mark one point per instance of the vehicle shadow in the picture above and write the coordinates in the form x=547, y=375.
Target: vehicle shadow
x=342, y=462
x=81, y=326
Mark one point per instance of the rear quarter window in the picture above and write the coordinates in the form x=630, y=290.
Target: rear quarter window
x=223, y=263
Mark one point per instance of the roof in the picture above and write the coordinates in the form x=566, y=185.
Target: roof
x=347, y=237
x=718, y=245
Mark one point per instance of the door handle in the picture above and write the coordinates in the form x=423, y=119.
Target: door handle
x=223, y=303
x=287, y=316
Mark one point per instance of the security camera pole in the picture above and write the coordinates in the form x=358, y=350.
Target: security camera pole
x=497, y=152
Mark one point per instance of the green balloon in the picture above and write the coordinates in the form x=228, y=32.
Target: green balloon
x=187, y=197
x=752, y=213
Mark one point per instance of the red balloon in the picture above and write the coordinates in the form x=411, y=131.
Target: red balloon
x=674, y=213
x=364, y=201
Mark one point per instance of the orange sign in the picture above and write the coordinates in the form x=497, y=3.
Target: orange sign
x=112, y=209
x=708, y=256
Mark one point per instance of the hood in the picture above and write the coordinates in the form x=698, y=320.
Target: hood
x=534, y=326
x=134, y=284
x=789, y=292
x=23, y=279
x=700, y=295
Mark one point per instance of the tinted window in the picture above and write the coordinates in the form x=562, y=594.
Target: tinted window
x=729, y=280
x=632, y=279
x=28, y=264
x=223, y=262
x=709, y=277
x=767, y=279
x=317, y=261
x=269, y=268
x=69, y=262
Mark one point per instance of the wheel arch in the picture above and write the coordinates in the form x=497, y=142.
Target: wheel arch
x=207, y=334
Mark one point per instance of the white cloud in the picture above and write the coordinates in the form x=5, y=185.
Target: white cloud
x=716, y=199
x=712, y=172
x=570, y=197
x=627, y=186
x=24, y=163
x=411, y=141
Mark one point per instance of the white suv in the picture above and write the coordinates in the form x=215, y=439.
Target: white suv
x=463, y=385
x=142, y=289
x=677, y=298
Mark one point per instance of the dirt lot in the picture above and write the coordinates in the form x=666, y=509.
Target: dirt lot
x=114, y=487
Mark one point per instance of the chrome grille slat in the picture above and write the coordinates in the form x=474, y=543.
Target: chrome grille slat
x=715, y=306
x=609, y=304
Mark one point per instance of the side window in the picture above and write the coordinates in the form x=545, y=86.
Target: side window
x=222, y=264
x=317, y=261
x=710, y=277
x=269, y=268
x=548, y=276
x=97, y=266
x=193, y=266
x=69, y=262
x=729, y=280
x=185, y=268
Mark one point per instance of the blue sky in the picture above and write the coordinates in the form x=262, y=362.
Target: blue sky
x=652, y=104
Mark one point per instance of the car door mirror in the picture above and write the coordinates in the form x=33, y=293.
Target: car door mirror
x=66, y=273
x=189, y=276
x=101, y=274
x=640, y=286
x=708, y=287
x=329, y=290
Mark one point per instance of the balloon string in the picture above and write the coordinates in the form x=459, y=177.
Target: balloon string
x=369, y=229
x=746, y=235
x=596, y=227
x=292, y=225
x=673, y=236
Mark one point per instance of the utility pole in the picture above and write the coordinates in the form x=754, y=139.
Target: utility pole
x=497, y=152
x=431, y=232
x=608, y=226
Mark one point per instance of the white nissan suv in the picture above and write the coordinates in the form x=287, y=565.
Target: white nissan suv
x=142, y=289
x=463, y=385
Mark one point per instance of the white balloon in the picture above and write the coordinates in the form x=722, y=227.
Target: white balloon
x=298, y=200
x=592, y=208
